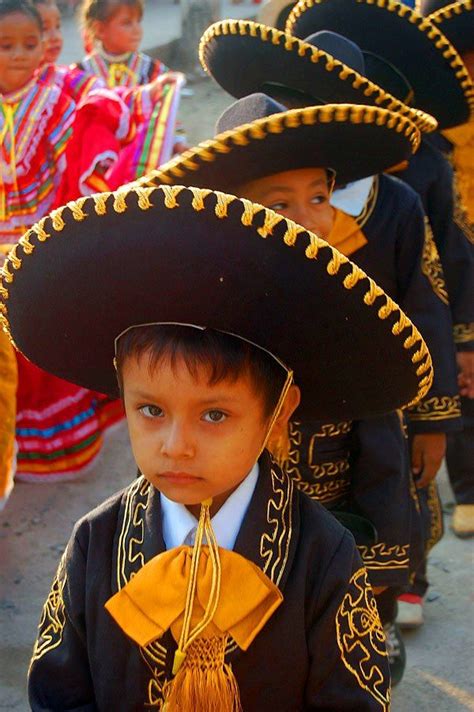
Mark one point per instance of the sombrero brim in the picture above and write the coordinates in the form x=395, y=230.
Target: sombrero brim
x=456, y=22
x=244, y=56
x=355, y=141
x=98, y=266
x=435, y=71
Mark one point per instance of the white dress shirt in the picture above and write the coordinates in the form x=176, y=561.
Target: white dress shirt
x=353, y=197
x=179, y=525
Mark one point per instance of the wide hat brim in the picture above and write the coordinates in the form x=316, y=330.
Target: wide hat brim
x=411, y=42
x=244, y=56
x=456, y=22
x=355, y=141
x=98, y=266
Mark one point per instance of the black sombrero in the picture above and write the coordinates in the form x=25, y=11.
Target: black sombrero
x=257, y=137
x=454, y=19
x=402, y=37
x=98, y=266
x=275, y=13
x=245, y=57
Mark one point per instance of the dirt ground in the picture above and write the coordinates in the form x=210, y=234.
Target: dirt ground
x=37, y=521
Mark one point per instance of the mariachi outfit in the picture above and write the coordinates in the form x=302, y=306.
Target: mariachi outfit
x=301, y=584
x=57, y=427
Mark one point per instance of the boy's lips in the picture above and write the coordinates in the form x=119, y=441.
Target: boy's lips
x=179, y=477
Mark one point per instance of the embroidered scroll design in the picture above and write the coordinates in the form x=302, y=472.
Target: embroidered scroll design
x=381, y=556
x=436, y=408
x=323, y=492
x=361, y=639
x=431, y=265
x=463, y=333
x=53, y=617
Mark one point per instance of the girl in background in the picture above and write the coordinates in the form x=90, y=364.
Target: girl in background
x=114, y=28
x=57, y=427
x=74, y=81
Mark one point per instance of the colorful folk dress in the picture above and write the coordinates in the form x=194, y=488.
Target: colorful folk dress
x=75, y=82
x=57, y=424
x=127, y=70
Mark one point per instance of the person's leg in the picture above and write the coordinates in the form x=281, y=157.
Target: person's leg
x=460, y=463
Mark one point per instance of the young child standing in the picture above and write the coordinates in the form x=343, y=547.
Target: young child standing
x=74, y=81
x=115, y=27
x=211, y=582
x=57, y=428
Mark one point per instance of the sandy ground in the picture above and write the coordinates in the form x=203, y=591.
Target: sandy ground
x=36, y=523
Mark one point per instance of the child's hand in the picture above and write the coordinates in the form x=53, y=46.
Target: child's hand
x=427, y=452
x=465, y=361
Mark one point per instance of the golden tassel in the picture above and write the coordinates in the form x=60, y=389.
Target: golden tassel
x=202, y=679
x=280, y=446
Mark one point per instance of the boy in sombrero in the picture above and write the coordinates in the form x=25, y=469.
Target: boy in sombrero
x=211, y=582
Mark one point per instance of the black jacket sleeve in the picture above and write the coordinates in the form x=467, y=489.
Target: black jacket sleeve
x=59, y=678
x=423, y=296
x=346, y=642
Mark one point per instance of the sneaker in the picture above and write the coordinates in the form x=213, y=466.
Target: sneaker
x=463, y=521
x=410, y=611
x=397, y=657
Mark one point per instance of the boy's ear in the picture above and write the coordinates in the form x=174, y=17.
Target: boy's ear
x=290, y=404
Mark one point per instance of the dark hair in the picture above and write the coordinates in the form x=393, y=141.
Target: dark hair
x=8, y=7
x=226, y=357
x=103, y=10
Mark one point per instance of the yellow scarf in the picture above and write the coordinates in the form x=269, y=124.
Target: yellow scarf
x=462, y=137
x=346, y=235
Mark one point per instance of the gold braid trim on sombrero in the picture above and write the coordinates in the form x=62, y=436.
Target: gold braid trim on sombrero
x=166, y=197
x=208, y=151
x=448, y=11
x=424, y=24
x=425, y=122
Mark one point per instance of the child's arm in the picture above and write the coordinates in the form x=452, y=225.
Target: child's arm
x=59, y=679
x=380, y=491
x=348, y=661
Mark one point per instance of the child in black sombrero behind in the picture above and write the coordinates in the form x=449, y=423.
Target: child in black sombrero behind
x=210, y=582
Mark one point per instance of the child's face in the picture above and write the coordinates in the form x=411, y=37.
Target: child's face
x=301, y=195
x=192, y=440
x=53, y=39
x=21, y=50
x=122, y=32
x=468, y=59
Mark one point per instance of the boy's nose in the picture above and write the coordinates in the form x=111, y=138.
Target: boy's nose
x=176, y=443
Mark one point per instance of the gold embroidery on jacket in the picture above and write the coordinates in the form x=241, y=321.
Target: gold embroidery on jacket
x=370, y=203
x=431, y=265
x=463, y=333
x=321, y=491
x=53, y=617
x=436, y=408
x=361, y=639
x=381, y=556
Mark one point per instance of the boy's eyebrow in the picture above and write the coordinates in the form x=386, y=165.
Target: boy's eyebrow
x=283, y=189
x=142, y=395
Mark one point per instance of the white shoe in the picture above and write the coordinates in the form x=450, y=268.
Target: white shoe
x=410, y=614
